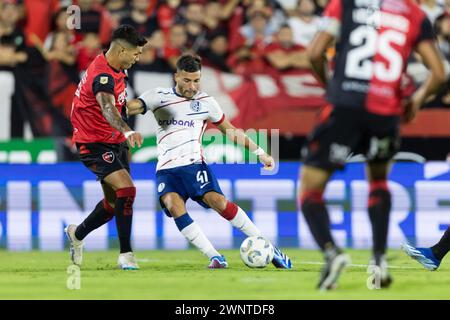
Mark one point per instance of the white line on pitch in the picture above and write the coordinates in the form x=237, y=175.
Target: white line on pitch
x=356, y=265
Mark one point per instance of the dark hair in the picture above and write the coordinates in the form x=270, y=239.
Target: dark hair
x=189, y=63
x=129, y=34
x=284, y=25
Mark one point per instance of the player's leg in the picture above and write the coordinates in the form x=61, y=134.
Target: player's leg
x=312, y=185
x=239, y=219
x=125, y=192
x=430, y=258
x=381, y=143
x=103, y=212
x=441, y=248
x=93, y=156
x=175, y=205
x=327, y=149
x=379, y=208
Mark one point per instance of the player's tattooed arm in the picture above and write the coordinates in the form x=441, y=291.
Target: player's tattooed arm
x=110, y=112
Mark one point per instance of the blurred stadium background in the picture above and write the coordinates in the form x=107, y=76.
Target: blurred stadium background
x=255, y=65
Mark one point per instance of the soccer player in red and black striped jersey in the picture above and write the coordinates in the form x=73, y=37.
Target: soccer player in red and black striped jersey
x=374, y=39
x=102, y=137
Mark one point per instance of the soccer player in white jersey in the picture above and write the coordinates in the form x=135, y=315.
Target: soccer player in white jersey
x=182, y=113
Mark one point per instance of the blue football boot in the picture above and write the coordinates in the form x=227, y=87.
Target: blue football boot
x=422, y=255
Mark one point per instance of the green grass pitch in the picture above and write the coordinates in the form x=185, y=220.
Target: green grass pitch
x=183, y=275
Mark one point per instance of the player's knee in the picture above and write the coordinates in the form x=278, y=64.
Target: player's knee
x=379, y=193
x=174, y=204
x=380, y=184
x=128, y=192
x=126, y=196
x=311, y=197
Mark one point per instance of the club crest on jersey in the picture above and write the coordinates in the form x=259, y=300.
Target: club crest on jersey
x=108, y=156
x=122, y=97
x=196, y=106
x=103, y=80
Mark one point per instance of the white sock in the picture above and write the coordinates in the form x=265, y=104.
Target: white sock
x=196, y=236
x=243, y=223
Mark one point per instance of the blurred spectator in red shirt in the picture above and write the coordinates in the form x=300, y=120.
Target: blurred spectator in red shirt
x=139, y=19
x=88, y=49
x=62, y=71
x=39, y=16
x=167, y=14
x=249, y=57
x=284, y=54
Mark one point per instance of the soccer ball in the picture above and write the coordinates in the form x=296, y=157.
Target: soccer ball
x=256, y=252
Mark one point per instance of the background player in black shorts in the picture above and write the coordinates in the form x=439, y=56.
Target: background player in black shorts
x=102, y=138
x=373, y=44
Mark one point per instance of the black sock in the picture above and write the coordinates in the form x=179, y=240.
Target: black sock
x=123, y=212
x=96, y=219
x=379, y=209
x=441, y=248
x=316, y=215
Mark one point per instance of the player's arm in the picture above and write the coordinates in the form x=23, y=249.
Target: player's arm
x=238, y=136
x=136, y=106
x=317, y=54
x=107, y=103
x=432, y=59
x=329, y=30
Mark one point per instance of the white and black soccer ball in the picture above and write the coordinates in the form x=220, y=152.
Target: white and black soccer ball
x=256, y=252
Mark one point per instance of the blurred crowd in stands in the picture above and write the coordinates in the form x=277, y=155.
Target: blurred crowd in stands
x=239, y=36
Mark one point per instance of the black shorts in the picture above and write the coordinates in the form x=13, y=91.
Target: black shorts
x=104, y=158
x=346, y=131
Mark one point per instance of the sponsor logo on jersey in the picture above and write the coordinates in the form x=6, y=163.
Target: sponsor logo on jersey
x=161, y=187
x=196, y=106
x=108, y=156
x=174, y=122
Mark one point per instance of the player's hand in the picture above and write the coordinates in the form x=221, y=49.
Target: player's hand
x=412, y=106
x=134, y=138
x=267, y=161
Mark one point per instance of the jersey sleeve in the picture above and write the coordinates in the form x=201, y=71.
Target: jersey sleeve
x=426, y=31
x=332, y=18
x=150, y=99
x=216, y=115
x=103, y=82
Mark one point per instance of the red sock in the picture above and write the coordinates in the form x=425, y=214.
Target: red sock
x=230, y=211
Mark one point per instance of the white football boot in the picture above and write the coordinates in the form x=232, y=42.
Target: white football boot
x=127, y=261
x=76, y=246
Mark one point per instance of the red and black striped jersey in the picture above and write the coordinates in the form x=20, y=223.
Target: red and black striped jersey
x=374, y=41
